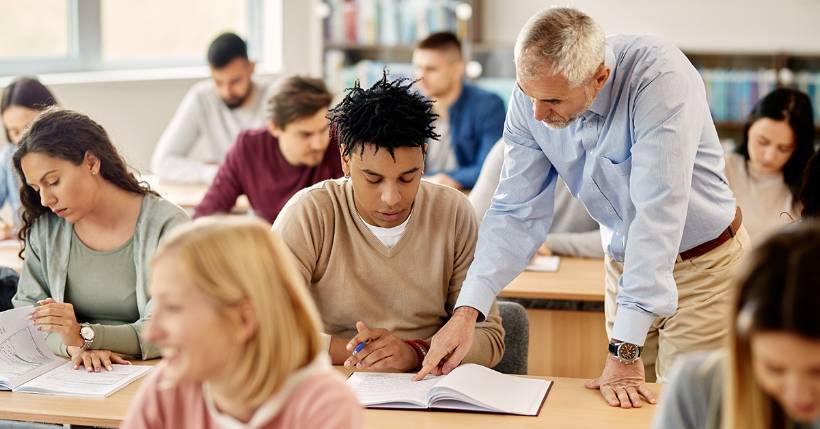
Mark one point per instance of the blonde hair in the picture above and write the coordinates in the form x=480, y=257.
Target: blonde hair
x=236, y=261
x=562, y=41
x=779, y=292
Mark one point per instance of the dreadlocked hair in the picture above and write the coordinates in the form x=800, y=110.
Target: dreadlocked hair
x=387, y=115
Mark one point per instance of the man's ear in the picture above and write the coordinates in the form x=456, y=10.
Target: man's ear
x=273, y=129
x=601, y=76
x=252, y=67
x=92, y=162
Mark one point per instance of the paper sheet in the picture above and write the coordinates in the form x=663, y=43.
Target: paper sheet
x=547, y=264
x=24, y=353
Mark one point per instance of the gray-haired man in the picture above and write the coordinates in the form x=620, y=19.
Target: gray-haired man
x=624, y=121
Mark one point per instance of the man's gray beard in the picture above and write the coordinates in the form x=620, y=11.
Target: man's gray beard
x=563, y=124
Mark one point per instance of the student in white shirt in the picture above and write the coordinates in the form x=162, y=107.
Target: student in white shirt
x=215, y=111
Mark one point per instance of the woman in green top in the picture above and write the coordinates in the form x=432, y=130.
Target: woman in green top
x=89, y=229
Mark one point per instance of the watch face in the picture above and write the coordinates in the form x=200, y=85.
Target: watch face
x=627, y=351
x=87, y=333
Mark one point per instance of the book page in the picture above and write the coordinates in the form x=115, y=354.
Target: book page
x=492, y=390
x=390, y=389
x=546, y=264
x=24, y=353
x=65, y=380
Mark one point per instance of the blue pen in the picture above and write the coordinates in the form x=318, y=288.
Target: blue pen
x=358, y=348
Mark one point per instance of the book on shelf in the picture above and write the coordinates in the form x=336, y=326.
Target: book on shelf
x=387, y=22
x=27, y=365
x=469, y=387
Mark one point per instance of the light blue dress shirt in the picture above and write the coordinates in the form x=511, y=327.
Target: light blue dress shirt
x=644, y=159
x=9, y=184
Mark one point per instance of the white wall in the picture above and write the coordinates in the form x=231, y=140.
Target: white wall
x=695, y=25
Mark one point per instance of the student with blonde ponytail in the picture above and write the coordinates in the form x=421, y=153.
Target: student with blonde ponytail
x=239, y=335
x=769, y=376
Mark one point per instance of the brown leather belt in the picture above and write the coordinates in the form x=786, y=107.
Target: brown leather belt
x=724, y=236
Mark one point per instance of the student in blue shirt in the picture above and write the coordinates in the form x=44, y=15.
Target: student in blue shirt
x=470, y=119
x=23, y=99
x=624, y=121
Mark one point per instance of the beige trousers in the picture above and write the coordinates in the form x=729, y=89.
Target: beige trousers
x=705, y=294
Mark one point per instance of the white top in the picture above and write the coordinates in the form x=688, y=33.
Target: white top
x=388, y=236
x=203, y=115
x=440, y=155
x=573, y=231
x=764, y=198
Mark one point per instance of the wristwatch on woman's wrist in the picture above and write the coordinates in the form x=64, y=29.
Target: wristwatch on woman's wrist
x=87, y=334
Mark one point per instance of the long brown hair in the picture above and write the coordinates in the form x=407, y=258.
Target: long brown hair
x=68, y=135
x=779, y=292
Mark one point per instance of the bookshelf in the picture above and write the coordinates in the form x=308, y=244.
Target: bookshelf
x=362, y=37
x=736, y=81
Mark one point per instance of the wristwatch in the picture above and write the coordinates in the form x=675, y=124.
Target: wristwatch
x=627, y=353
x=87, y=334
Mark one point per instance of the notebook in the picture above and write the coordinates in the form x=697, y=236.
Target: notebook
x=27, y=364
x=547, y=264
x=469, y=387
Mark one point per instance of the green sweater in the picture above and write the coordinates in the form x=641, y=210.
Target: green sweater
x=48, y=246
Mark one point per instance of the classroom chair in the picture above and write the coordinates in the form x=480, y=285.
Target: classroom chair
x=516, y=338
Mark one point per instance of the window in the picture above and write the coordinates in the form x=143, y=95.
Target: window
x=52, y=36
x=23, y=40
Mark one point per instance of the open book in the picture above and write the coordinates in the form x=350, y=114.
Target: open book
x=469, y=387
x=28, y=365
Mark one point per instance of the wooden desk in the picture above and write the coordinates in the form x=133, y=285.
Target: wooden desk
x=577, y=279
x=568, y=405
x=564, y=343
x=107, y=412
x=188, y=195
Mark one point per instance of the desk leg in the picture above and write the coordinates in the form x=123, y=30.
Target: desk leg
x=566, y=343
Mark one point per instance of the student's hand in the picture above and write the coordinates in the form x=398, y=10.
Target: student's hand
x=544, y=250
x=445, y=180
x=450, y=344
x=6, y=231
x=383, y=351
x=94, y=360
x=623, y=385
x=58, y=317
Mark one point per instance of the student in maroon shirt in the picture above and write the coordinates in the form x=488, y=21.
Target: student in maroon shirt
x=270, y=164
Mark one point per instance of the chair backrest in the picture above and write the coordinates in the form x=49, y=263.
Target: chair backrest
x=516, y=338
x=8, y=287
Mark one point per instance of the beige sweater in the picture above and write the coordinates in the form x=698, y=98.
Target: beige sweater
x=409, y=289
x=764, y=199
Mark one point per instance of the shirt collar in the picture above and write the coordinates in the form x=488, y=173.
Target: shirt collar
x=602, y=102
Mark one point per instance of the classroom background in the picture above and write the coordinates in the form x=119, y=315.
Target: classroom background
x=128, y=64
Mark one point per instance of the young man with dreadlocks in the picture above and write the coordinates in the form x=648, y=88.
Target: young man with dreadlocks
x=383, y=251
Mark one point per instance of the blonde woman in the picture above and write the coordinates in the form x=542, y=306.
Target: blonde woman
x=770, y=375
x=239, y=335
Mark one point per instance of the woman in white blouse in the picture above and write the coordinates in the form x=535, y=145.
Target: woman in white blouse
x=765, y=170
